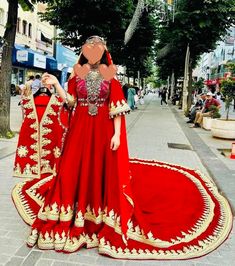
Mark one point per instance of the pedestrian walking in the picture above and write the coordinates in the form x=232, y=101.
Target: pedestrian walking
x=163, y=96
x=131, y=97
x=125, y=90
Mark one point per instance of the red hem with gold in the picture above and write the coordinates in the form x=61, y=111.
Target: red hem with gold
x=178, y=214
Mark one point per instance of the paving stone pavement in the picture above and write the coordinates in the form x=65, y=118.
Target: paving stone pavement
x=150, y=129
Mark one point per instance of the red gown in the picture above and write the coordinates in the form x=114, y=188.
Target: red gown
x=133, y=209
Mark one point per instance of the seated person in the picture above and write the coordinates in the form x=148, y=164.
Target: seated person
x=197, y=107
x=205, y=112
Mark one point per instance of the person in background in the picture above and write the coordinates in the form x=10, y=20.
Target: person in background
x=197, y=107
x=28, y=84
x=125, y=90
x=36, y=84
x=137, y=89
x=13, y=90
x=163, y=96
x=131, y=97
x=205, y=112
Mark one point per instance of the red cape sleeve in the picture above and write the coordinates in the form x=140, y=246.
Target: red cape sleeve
x=117, y=102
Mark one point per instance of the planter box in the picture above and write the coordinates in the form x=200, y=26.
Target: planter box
x=224, y=129
x=206, y=123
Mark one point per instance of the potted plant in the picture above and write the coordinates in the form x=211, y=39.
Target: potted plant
x=225, y=128
x=207, y=121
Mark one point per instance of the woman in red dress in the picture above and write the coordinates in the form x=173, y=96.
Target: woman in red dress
x=135, y=209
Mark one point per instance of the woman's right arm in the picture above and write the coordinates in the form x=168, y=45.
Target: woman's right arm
x=49, y=79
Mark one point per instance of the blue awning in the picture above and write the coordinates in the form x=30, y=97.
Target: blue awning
x=26, y=57
x=51, y=63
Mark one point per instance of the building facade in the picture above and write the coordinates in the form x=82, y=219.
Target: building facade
x=35, y=49
x=212, y=66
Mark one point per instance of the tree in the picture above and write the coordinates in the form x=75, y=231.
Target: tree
x=6, y=64
x=137, y=55
x=198, y=23
x=77, y=20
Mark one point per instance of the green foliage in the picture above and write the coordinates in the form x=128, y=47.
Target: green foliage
x=198, y=23
x=78, y=20
x=199, y=84
x=230, y=66
x=228, y=90
x=215, y=111
x=9, y=135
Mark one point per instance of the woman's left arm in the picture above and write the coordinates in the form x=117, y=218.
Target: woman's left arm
x=115, y=141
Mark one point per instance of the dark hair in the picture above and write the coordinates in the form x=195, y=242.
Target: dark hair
x=31, y=77
x=37, y=76
x=103, y=59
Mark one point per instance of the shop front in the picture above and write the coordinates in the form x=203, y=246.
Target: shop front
x=27, y=62
x=66, y=58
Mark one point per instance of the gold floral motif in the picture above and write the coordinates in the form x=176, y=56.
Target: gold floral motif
x=45, y=152
x=57, y=152
x=34, y=126
x=34, y=146
x=51, y=111
x=45, y=142
x=33, y=237
x=34, y=136
x=34, y=157
x=31, y=115
x=47, y=121
x=119, y=108
x=34, y=168
x=46, y=130
x=27, y=170
x=66, y=214
x=17, y=170
x=28, y=105
x=22, y=151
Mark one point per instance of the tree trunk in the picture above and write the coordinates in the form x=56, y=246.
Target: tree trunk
x=190, y=86
x=6, y=67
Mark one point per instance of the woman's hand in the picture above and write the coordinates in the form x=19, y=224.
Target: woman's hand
x=48, y=79
x=115, y=142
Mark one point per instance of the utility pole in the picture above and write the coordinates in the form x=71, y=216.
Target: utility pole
x=186, y=80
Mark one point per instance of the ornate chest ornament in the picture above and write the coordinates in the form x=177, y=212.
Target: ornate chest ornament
x=93, y=83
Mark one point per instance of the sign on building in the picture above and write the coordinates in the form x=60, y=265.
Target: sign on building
x=39, y=61
x=22, y=55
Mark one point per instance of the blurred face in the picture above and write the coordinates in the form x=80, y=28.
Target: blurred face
x=203, y=97
x=208, y=97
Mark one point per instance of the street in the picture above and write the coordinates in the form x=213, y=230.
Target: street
x=154, y=132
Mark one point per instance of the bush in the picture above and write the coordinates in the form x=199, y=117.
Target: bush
x=215, y=111
x=228, y=90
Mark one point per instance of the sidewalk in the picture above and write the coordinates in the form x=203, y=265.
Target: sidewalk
x=151, y=130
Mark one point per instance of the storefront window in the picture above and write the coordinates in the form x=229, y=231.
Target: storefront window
x=17, y=76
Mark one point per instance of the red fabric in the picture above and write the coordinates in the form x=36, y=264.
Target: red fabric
x=41, y=103
x=89, y=143
x=163, y=208
x=167, y=203
x=210, y=102
x=43, y=129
